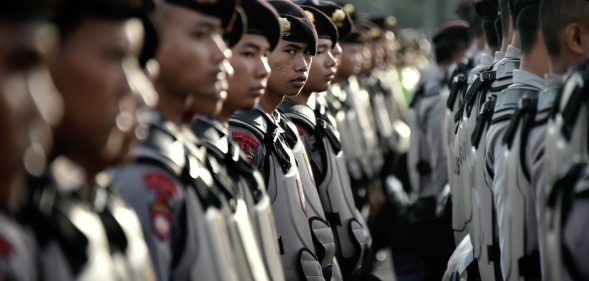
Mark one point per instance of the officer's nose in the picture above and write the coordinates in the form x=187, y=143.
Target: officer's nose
x=330, y=62
x=302, y=63
x=263, y=69
x=219, y=50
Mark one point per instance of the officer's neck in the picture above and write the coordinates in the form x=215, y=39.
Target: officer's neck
x=535, y=61
x=301, y=98
x=170, y=106
x=225, y=114
x=270, y=101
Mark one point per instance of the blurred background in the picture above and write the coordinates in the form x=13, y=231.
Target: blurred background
x=426, y=15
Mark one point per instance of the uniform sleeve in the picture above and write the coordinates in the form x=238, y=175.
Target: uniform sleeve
x=435, y=141
x=156, y=197
x=250, y=145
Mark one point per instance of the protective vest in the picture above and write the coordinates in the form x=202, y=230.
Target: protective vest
x=248, y=258
x=454, y=95
x=334, y=189
x=381, y=112
x=566, y=140
x=346, y=120
x=477, y=112
x=71, y=238
x=203, y=249
x=568, y=205
x=320, y=229
x=126, y=241
x=359, y=99
x=285, y=189
x=520, y=257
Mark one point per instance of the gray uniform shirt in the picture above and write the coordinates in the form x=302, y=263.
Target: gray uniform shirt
x=17, y=251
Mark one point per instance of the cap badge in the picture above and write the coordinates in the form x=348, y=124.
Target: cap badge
x=337, y=17
x=349, y=8
x=284, y=26
x=310, y=16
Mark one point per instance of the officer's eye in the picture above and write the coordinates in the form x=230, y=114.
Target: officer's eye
x=290, y=51
x=199, y=34
x=248, y=54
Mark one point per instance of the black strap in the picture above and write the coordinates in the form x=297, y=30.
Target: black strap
x=524, y=112
x=483, y=120
x=529, y=266
x=458, y=85
x=323, y=130
x=333, y=218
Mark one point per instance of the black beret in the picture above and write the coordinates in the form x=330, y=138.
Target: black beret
x=371, y=31
x=262, y=19
x=336, y=14
x=26, y=9
x=223, y=9
x=69, y=10
x=487, y=9
x=451, y=31
x=518, y=5
x=295, y=25
x=236, y=28
x=385, y=23
x=323, y=25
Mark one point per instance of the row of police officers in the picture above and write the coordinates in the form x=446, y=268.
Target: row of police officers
x=194, y=139
x=505, y=127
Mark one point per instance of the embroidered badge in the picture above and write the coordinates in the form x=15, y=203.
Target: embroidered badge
x=159, y=212
x=161, y=217
x=301, y=130
x=245, y=141
x=162, y=185
x=5, y=247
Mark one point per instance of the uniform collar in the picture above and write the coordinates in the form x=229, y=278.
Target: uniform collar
x=529, y=79
x=553, y=80
x=498, y=56
x=486, y=60
x=513, y=52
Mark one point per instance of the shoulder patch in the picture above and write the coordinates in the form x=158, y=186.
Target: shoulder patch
x=160, y=216
x=162, y=185
x=300, y=129
x=5, y=247
x=245, y=141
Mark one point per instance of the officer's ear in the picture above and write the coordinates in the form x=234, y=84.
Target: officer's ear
x=576, y=39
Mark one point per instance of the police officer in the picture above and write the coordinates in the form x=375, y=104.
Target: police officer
x=242, y=183
x=167, y=183
x=316, y=129
x=25, y=33
x=76, y=238
x=549, y=157
x=516, y=205
x=268, y=138
x=475, y=114
x=426, y=158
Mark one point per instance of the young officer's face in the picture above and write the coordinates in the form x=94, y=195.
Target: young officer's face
x=28, y=106
x=89, y=73
x=351, y=61
x=250, y=64
x=191, y=57
x=289, y=63
x=322, y=69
